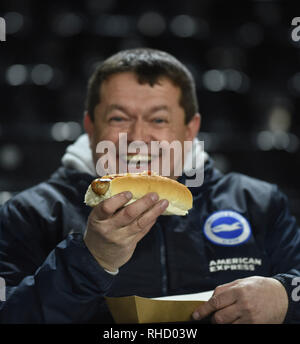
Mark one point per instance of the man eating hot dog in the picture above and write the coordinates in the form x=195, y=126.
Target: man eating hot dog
x=60, y=258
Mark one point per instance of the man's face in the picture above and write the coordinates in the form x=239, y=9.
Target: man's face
x=143, y=112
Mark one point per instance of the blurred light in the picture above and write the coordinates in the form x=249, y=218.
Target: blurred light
x=236, y=80
x=279, y=118
x=250, y=34
x=62, y=131
x=214, y=80
x=112, y=25
x=67, y=24
x=10, y=157
x=16, y=74
x=14, y=22
x=183, y=26
x=151, y=24
x=233, y=79
x=41, y=74
x=5, y=196
x=281, y=140
x=267, y=140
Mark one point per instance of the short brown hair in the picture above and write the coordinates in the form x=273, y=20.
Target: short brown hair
x=149, y=65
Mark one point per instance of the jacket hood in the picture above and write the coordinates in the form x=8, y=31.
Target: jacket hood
x=78, y=156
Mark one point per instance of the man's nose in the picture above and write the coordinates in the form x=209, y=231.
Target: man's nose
x=138, y=131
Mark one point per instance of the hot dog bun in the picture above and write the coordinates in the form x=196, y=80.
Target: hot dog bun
x=179, y=196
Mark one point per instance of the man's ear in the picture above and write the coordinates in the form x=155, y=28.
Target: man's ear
x=88, y=125
x=193, y=127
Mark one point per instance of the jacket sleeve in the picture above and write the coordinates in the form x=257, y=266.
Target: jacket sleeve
x=64, y=285
x=283, y=247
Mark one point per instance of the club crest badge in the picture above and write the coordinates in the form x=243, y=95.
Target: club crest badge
x=227, y=228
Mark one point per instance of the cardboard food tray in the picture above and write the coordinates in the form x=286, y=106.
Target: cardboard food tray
x=139, y=310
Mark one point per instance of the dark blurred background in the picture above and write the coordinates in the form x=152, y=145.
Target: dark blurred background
x=243, y=57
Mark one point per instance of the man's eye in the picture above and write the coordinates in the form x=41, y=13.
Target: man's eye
x=159, y=120
x=116, y=119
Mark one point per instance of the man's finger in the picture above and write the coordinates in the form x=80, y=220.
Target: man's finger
x=219, y=300
x=131, y=212
x=151, y=215
x=108, y=207
x=143, y=224
x=205, y=309
x=226, y=315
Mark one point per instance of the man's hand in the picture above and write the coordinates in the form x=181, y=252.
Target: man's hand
x=113, y=231
x=252, y=300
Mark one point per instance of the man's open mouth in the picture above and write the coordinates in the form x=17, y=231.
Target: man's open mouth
x=134, y=158
x=138, y=158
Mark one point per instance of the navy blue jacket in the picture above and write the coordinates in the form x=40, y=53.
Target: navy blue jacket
x=238, y=227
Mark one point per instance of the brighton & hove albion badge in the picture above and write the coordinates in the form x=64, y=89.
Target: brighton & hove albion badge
x=227, y=228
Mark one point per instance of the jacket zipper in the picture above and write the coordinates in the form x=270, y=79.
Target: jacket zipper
x=163, y=261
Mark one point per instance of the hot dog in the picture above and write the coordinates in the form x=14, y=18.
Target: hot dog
x=179, y=196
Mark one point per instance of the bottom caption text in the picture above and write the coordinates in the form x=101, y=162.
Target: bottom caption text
x=150, y=333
